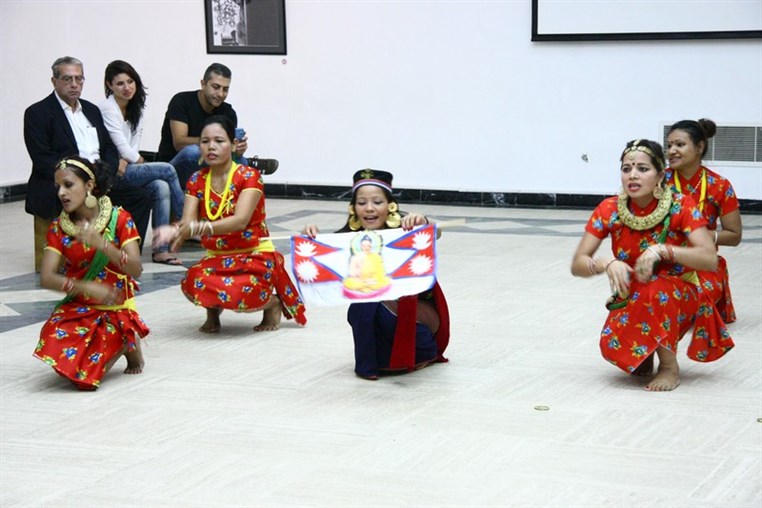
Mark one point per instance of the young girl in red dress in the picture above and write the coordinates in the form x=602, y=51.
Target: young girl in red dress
x=96, y=323
x=225, y=206
x=658, y=240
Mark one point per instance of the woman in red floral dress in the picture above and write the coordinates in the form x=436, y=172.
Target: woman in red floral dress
x=97, y=322
x=658, y=239
x=687, y=144
x=225, y=206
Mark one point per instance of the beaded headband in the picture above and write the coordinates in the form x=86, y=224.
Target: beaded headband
x=75, y=163
x=365, y=177
x=641, y=148
x=370, y=181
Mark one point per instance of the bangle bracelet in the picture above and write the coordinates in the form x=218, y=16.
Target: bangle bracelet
x=427, y=220
x=655, y=250
x=105, y=244
x=716, y=236
x=211, y=228
x=609, y=264
x=670, y=253
x=592, y=265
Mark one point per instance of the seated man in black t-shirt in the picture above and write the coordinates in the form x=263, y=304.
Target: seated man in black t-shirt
x=186, y=114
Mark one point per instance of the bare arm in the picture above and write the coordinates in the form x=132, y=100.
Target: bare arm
x=180, y=138
x=583, y=257
x=584, y=264
x=732, y=230
x=701, y=254
x=247, y=203
x=105, y=293
x=244, y=208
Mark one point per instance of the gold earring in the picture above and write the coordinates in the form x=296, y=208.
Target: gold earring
x=354, y=222
x=393, y=220
x=90, y=200
x=658, y=192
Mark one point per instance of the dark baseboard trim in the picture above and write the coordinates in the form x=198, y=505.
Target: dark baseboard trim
x=12, y=193
x=445, y=197
x=432, y=197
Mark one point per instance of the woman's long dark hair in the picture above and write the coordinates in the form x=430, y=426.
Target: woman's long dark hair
x=138, y=101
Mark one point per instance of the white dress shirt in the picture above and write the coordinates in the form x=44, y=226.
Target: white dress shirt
x=85, y=134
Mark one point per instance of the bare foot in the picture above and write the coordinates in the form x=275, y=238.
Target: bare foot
x=135, y=360
x=667, y=375
x=667, y=379
x=646, y=368
x=271, y=316
x=212, y=323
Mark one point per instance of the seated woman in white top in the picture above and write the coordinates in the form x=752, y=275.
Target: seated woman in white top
x=123, y=115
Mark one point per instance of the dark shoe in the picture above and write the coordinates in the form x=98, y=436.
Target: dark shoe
x=265, y=166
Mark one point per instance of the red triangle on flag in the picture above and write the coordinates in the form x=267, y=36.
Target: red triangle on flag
x=304, y=251
x=305, y=247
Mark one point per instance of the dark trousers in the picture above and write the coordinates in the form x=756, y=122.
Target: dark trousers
x=373, y=329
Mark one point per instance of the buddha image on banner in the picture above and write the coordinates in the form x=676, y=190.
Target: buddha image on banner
x=364, y=266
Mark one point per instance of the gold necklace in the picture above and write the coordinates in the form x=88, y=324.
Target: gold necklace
x=647, y=221
x=104, y=216
x=224, y=199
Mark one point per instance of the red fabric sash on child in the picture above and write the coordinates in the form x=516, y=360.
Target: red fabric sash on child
x=403, y=350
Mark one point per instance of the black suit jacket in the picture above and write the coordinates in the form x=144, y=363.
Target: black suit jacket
x=49, y=138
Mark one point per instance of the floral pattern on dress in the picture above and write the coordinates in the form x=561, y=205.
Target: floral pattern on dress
x=78, y=339
x=235, y=276
x=661, y=310
x=720, y=199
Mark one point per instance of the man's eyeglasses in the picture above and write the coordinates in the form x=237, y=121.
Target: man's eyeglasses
x=69, y=79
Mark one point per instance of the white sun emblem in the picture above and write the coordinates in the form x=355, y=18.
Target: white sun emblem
x=421, y=241
x=305, y=249
x=421, y=264
x=306, y=271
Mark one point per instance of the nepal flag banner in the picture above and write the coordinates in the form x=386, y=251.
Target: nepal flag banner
x=365, y=265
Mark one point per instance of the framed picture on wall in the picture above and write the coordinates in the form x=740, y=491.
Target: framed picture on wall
x=254, y=27
x=627, y=20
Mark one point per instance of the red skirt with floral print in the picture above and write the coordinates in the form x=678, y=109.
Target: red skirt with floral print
x=78, y=340
x=658, y=313
x=243, y=282
x=717, y=284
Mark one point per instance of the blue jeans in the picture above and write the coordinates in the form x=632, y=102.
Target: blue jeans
x=188, y=160
x=160, y=180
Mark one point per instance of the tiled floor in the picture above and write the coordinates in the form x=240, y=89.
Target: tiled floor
x=279, y=419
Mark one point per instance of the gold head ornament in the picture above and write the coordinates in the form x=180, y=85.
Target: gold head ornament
x=630, y=152
x=76, y=164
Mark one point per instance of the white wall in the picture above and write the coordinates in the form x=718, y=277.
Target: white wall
x=445, y=94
